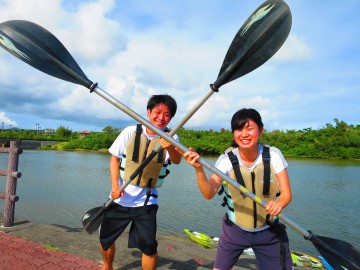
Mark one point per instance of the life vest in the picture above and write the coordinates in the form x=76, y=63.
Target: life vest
x=261, y=181
x=138, y=148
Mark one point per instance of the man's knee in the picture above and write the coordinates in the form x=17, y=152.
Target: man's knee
x=148, y=248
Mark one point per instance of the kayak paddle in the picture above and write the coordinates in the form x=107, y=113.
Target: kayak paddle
x=37, y=47
x=257, y=41
x=250, y=48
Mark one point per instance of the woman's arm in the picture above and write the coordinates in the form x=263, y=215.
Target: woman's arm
x=275, y=207
x=208, y=187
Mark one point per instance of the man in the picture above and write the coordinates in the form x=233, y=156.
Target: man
x=138, y=202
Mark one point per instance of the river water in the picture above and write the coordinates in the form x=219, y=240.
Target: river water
x=59, y=187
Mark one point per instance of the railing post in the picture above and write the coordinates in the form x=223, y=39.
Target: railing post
x=11, y=182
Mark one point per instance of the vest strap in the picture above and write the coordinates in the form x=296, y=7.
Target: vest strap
x=148, y=192
x=139, y=131
x=266, y=161
x=235, y=163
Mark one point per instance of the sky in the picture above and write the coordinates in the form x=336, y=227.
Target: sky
x=135, y=49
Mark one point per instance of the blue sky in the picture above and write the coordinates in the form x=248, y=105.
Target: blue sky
x=135, y=49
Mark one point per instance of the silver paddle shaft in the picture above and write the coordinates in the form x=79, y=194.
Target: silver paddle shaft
x=202, y=161
x=146, y=123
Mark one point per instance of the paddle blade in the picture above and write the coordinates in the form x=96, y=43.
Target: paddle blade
x=339, y=254
x=92, y=219
x=259, y=38
x=39, y=48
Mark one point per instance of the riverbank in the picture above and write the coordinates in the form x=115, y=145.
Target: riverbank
x=31, y=246
x=59, y=242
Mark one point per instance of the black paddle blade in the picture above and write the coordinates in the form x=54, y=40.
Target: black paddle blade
x=39, y=48
x=91, y=221
x=259, y=38
x=339, y=254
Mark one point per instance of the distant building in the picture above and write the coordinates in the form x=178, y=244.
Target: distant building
x=49, y=131
x=83, y=134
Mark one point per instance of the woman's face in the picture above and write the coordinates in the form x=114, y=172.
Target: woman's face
x=248, y=137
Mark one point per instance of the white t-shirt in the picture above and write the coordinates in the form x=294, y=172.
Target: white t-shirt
x=133, y=196
x=277, y=160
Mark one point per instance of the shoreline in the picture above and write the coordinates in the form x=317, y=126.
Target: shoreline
x=174, y=252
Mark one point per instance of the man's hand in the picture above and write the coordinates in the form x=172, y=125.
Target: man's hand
x=115, y=193
x=165, y=144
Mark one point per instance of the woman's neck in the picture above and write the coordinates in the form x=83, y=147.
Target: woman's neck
x=248, y=156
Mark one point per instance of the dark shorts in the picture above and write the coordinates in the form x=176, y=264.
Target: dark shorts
x=142, y=234
x=271, y=246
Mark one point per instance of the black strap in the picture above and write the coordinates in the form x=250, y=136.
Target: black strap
x=161, y=152
x=160, y=156
x=221, y=190
x=139, y=130
x=148, y=192
x=235, y=163
x=266, y=162
x=166, y=174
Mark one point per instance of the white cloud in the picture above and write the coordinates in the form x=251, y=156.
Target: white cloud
x=136, y=49
x=294, y=48
x=4, y=121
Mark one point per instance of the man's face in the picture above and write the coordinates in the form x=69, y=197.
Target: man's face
x=159, y=115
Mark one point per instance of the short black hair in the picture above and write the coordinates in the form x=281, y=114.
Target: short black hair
x=164, y=99
x=242, y=117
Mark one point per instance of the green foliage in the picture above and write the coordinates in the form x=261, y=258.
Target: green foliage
x=339, y=141
x=206, y=142
x=63, y=132
x=333, y=141
x=94, y=141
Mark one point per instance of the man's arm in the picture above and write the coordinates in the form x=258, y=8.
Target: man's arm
x=114, y=176
x=175, y=156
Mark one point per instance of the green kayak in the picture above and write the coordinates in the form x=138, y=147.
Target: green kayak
x=298, y=258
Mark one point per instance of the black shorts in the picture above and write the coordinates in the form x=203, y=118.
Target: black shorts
x=142, y=233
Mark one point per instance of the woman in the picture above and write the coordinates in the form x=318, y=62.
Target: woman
x=247, y=224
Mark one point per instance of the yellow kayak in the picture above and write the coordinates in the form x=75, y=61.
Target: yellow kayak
x=303, y=259
x=204, y=240
x=298, y=258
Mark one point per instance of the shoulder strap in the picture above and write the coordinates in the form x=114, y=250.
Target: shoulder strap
x=266, y=161
x=139, y=130
x=161, y=152
x=235, y=163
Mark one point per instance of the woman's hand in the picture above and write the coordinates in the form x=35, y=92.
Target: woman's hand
x=274, y=208
x=192, y=157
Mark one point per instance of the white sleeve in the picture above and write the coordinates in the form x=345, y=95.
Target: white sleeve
x=277, y=160
x=119, y=145
x=223, y=164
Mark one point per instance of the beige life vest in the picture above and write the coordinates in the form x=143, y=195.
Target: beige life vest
x=243, y=210
x=138, y=148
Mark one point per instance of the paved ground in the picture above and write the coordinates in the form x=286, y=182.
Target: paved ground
x=36, y=246
x=52, y=247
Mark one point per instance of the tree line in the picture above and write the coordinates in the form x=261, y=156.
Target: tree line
x=339, y=140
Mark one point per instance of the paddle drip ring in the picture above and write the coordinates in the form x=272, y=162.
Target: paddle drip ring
x=215, y=89
x=93, y=86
